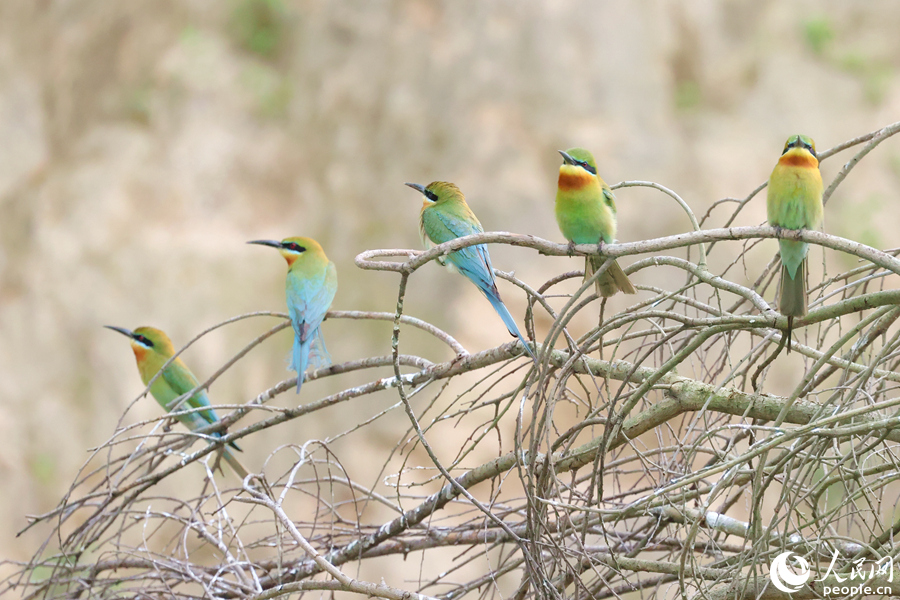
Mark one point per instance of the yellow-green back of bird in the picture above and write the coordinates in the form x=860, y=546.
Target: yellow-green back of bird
x=152, y=350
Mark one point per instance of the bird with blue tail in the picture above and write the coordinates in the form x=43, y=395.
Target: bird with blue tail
x=310, y=287
x=445, y=216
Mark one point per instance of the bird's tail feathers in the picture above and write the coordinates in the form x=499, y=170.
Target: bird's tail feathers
x=311, y=352
x=198, y=420
x=300, y=358
x=235, y=464
x=609, y=282
x=508, y=320
x=794, y=300
x=232, y=444
x=318, y=353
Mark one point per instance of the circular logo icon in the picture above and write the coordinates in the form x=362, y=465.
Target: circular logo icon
x=786, y=578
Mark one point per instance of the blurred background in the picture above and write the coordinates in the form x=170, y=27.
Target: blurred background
x=143, y=143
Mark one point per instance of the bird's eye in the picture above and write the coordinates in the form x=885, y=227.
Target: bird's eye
x=587, y=167
x=143, y=340
x=295, y=247
x=431, y=195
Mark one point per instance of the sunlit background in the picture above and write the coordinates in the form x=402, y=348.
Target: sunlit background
x=143, y=143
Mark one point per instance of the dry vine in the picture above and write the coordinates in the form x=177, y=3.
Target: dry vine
x=647, y=453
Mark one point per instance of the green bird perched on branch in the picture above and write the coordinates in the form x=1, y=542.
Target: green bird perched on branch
x=794, y=201
x=586, y=214
x=152, y=349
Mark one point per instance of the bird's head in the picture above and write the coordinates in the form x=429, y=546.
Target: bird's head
x=578, y=169
x=294, y=248
x=579, y=158
x=146, y=340
x=438, y=192
x=799, y=150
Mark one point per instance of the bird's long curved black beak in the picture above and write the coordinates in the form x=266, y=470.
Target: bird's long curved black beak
x=416, y=186
x=121, y=330
x=567, y=159
x=271, y=243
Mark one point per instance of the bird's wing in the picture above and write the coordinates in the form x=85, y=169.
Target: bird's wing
x=442, y=225
x=310, y=300
x=181, y=380
x=609, y=199
x=474, y=261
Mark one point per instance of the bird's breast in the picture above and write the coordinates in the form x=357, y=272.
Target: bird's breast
x=140, y=352
x=799, y=159
x=573, y=178
x=794, y=199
